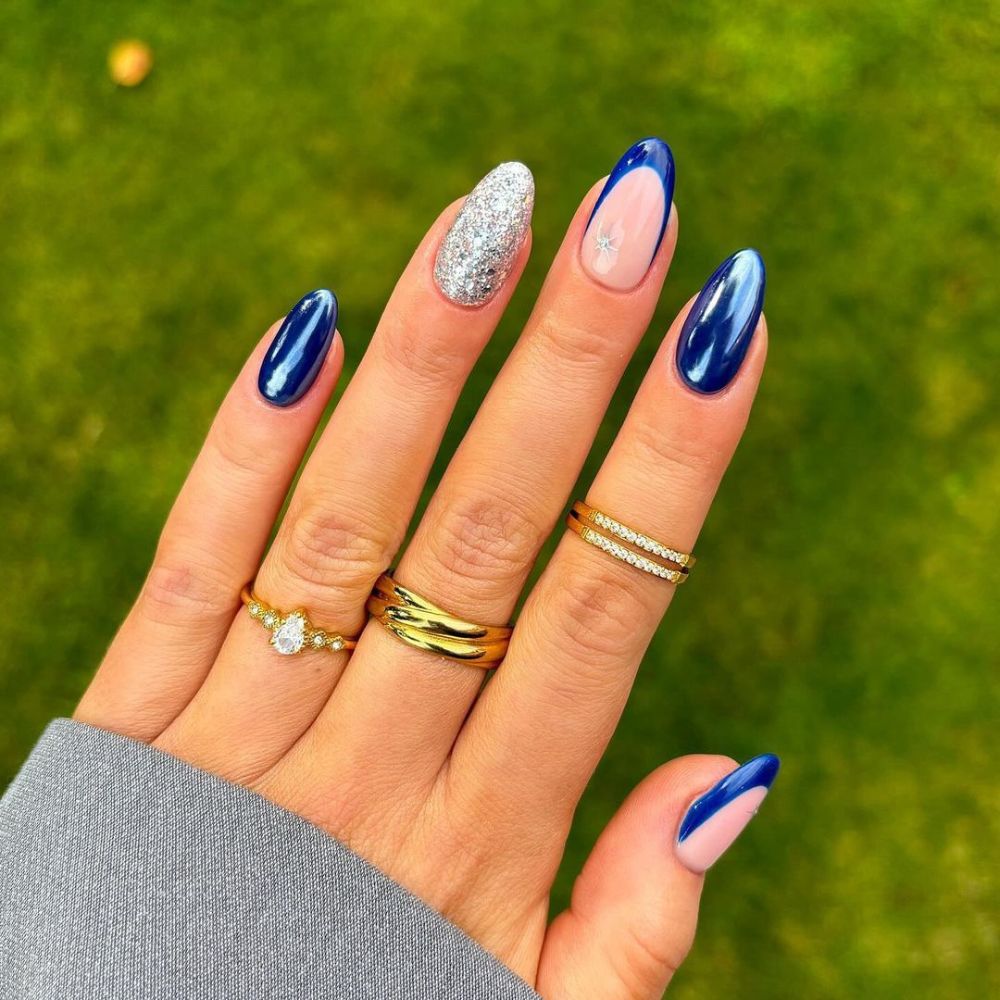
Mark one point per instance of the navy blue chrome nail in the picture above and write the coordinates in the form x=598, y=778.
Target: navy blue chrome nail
x=299, y=348
x=757, y=773
x=655, y=154
x=718, y=329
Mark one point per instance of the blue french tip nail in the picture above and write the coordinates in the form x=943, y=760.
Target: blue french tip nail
x=652, y=153
x=718, y=329
x=757, y=773
x=299, y=348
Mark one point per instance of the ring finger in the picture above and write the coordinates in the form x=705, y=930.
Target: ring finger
x=508, y=481
x=354, y=500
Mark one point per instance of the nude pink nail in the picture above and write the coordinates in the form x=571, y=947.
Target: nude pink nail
x=628, y=221
x=717, y=818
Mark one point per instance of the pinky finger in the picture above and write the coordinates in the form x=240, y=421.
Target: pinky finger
x=218, y=528
x=634, y=909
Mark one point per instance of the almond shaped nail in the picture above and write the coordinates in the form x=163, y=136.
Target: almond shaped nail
x=298, y=349
x=477, y=254
x=714, y=820
x=717, y=331
x=629, y=218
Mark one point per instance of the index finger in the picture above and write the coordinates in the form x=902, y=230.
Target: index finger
x=540, y=727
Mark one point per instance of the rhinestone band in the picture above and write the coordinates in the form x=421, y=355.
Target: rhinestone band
x=641, y=541
x=612, y=536
x=630, y=557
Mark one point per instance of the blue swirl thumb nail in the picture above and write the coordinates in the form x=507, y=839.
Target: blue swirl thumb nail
x=716, y=818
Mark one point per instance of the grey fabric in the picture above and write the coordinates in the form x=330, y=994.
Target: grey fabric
x=127, y=873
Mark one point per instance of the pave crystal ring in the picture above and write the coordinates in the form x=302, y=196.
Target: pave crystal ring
x=628, y=545
x=293, y=632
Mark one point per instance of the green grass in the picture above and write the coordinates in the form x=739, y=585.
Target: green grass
x=845, y=609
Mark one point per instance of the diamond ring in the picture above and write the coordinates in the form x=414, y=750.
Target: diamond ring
x=293, y=632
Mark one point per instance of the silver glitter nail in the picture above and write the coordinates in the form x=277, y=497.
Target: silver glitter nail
x=482, y=244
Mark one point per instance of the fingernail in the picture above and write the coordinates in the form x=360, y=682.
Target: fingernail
x=479, y=250
x=717, y=818
x=721, y=323
x=629, y=219
x=299, y=348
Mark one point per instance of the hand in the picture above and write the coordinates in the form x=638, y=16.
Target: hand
x=462, y=792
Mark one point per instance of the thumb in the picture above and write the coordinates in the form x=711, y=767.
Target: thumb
x=634, y=908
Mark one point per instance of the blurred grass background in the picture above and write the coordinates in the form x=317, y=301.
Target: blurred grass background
x=845, y=609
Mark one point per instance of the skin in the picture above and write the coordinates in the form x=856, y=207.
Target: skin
x=464, y=795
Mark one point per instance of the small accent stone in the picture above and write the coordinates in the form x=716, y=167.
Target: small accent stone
x=336, y=643
x=270, y=619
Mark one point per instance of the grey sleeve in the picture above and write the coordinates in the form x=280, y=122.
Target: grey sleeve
x=125, y=873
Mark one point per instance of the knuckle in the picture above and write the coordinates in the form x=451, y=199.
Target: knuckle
x=594, y=612
x=583, y=347
x=647, y=958
x=687, y=462
x=176, y=590
x=326, y=542
x=416, y=358
x=238, y=452
x=480, y=537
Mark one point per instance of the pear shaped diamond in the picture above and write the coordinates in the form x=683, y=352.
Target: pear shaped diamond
x=290, y=636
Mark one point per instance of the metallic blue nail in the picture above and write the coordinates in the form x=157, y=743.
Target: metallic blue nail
x=653, y=153
x=721, y=323
x=299, y=348
x=757, y=773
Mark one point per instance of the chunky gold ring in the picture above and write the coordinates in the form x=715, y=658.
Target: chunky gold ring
x=629, y=545
x=421, y=623
x=293, y=632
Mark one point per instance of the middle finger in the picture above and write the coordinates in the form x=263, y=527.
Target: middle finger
x=508, y=481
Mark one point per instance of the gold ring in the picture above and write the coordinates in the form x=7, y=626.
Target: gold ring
x=293, y=632
x=420, y=623
x=629, y=545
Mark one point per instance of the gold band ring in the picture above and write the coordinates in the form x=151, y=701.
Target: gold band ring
x=293, y=632
x=629, y=545
x=421, y=623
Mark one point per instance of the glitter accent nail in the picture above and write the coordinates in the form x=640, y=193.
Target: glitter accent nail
x=480, y=248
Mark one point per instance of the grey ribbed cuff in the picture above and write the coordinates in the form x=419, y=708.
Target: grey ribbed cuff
x=126, y=873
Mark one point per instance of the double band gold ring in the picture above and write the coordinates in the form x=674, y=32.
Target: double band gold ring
x=628, y=545
x=421, y=623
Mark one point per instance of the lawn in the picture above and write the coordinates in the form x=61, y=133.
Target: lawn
x=844, y=613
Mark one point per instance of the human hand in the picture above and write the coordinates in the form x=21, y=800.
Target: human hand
x=464, y=792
